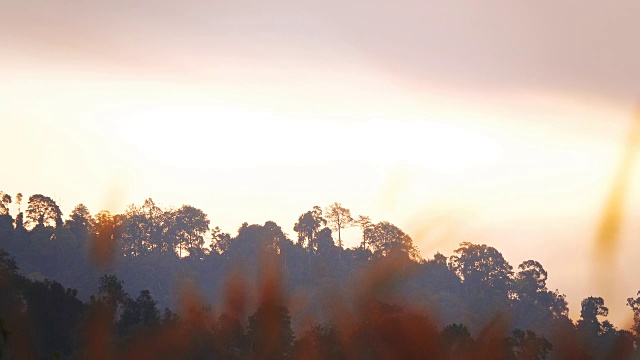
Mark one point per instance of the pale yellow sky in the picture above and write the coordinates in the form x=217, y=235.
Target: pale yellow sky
x=501, y=123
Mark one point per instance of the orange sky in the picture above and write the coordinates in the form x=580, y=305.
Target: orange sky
x=498, y=122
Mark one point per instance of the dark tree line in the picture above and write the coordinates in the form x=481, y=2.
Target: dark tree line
x=274, y=297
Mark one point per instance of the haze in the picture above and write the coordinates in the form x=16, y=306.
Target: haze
x=494, y=122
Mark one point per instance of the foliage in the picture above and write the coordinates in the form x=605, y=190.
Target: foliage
x=270, y=334
x=43, y=211
x=357, y=296
x=308, y=226
x=339, y=218
x=386, y=239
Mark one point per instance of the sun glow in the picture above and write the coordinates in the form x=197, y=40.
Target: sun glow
x=495, y=167
x=231, y=137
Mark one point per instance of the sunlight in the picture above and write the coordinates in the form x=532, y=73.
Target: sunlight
x=444, y=147
x=435, y=124
x=193, y=136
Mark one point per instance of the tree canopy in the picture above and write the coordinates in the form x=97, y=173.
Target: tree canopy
x=273, y=297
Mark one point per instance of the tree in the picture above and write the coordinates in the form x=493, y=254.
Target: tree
x=364, y=222
x=589, y=326
x=482, y=266
x=143, y=229
x=43, y=211
x=81, y=223
x=531, y=279
x=20, y=216
x=273, y=236
x=254, y=242
x=486, y=279
x=228, y=334
x=592, y=307
x=527, y=345
x=190, y=225
x=439, y=281
x=220, y=241
x=154, y=225
x=534, y=306
x=339, y=218
x=322, y=340
x=54, y=314
x=20, y=223
x=141, y=312
x=269, y=332
x=324, y=241
x=149, y=314
x=456, y=341
x=634, y=304
x=308, y=225
x=82, y=216
x=6, y=227
x=111, y=292
x=599, y=339
x=19, y=201
x=103, y=242
x=8, y=266
x=6, y=221
x=558, y=303
x=386, y=238
x=5, y=200
x=131, y=236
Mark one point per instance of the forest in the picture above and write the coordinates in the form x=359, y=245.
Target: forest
x=166, y=284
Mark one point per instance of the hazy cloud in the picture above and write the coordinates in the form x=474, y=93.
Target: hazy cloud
x=586, y=47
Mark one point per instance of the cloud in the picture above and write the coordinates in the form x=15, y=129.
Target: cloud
x=499, y=45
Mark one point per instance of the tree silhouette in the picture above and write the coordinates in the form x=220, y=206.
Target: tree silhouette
x=527, y=345
x=339, y=218
x=81, y=223
x=19, y=201
x=111, y=292
x=386, y=238
x=594, y=334
x=322, y=340
x=54, y=314
x=138, y=313
x=363, y=222
x=486, y=277
x=20, y=216
x=482, y=266
x=534, y=306
x=308, y=225
x=6, y=227
x=270, y=334
x=220, y=241
x=456, y=341
x=634, y=304
x=228, y=334
x=43, y=211
x=592, y=307
x=324, y=241
x=189, y=225
x=5, y=201
x=531, y=279
x=475, y=289
x=142, y=230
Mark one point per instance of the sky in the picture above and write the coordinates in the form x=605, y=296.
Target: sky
x=493, y=122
